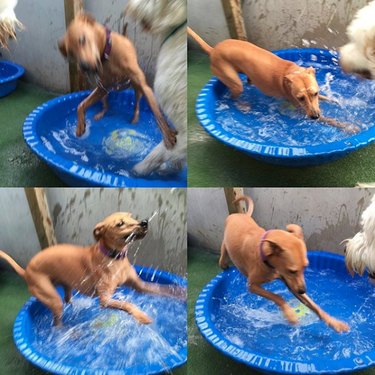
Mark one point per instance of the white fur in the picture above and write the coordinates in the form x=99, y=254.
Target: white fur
x=359, y=54
x=360, y=250
x=7, y=10
x=162, y=17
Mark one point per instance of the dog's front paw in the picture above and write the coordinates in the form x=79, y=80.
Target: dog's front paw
x=80, y=130
x=290, y=315
x=142, y=317
x=170, y=139
x=338, y=325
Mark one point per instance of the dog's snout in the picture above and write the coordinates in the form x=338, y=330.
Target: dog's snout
x=315, y=116
x=144, y=223
x=302, y=291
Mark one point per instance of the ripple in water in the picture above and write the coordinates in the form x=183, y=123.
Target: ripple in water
x=259, y=118
x=95, y=338
x=256, y=324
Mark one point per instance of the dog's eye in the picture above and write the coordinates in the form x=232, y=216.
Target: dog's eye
x=301, y=99
x=120, y=224
x=293, y=272
x=315, y=94
x=82, y=40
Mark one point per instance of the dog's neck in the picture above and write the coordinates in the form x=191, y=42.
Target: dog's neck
x=113, y=253
x=108, y=44
x=261, y=252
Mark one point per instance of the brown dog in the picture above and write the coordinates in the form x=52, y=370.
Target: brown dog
x=95, y=270
x=111, y=59
x=268, y=72
x=264, y=256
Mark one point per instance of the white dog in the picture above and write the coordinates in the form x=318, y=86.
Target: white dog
x=358, y=56
x=166, y=18
x=360, y=250
x=8, y=21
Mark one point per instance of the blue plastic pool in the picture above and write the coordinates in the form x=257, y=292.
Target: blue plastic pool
x=106, y=153
x=272, y=130
x=9, y=75
x=103, y=341
x=252, y=330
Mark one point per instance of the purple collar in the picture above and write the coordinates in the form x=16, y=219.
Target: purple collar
x=108, y=44
x=112, y=253
x=261, y=252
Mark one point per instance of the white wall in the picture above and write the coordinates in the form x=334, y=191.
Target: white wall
x=44, y=21
x=276, y=24
x=327, y=216
x=75, y=212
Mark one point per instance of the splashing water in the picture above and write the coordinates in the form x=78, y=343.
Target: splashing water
x=259, y=118
x=256, y=324
x=106, y=339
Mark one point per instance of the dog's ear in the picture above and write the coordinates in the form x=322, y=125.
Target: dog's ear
x=63, y=47
x=296, y=230
x=99, y=231
x=272, y=249
x=288, y=80
x=311, y=71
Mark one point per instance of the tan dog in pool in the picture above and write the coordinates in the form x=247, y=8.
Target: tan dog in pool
x=95, y=270
x=263, y=256
x=112, y=60
x=268, y=72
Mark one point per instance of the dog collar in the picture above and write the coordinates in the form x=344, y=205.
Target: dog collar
x=108, y=44
x=174, y=31
x=261, y=252
x=113, y=253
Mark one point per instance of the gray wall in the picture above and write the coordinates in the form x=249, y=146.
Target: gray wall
x=327, y=216
x=44, y=21
x=75, y=212
x=276, y=24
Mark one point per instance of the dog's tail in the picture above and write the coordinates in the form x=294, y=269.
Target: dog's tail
x=249, y=201
x=206, y=47
x=13, y=263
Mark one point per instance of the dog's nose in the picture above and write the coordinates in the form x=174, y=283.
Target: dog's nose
x=315, y=116
x=144, y=224
x=301, y=291
x=85, y=66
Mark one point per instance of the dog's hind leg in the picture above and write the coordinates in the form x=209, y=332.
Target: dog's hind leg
x=230, y=78
x=43, y=289
x=100, y=115
x=139, y=83
x=224, y=258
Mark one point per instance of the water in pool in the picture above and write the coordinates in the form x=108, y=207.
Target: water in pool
x=259, y=118
x=111, y=144
x=95, y=338
x=255, y=324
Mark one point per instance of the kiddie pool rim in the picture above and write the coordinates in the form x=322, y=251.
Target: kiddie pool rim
x=18, y=74
x=75, y=174
x=292, y=156
x=38, y=360
x=8, y=84
x=259, y=361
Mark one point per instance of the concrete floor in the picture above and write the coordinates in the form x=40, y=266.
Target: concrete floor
x=203, y=358
x=19, y=167
x=213, y=164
